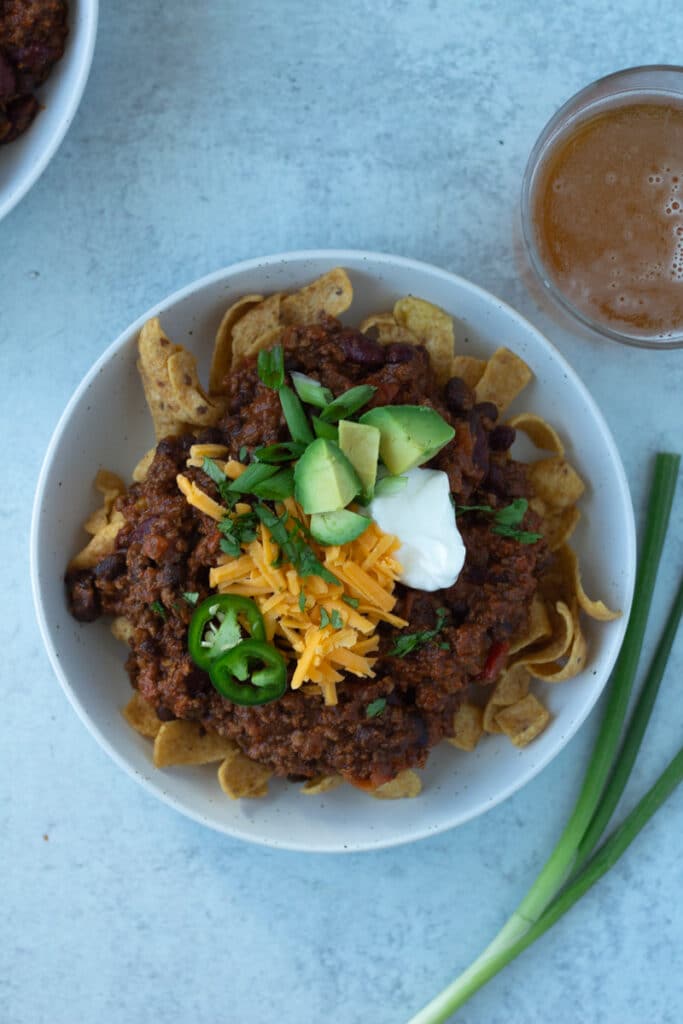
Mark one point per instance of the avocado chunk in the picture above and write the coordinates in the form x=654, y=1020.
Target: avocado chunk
x=410, y=435
x=338, y=527
x=324, y=479
x=360, y=444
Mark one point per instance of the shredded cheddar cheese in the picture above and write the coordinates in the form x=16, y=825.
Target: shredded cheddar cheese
x=293, y=606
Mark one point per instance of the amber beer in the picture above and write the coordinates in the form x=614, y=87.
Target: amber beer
x=605, y=215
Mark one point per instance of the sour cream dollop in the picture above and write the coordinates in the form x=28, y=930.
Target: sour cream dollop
x=421, y=515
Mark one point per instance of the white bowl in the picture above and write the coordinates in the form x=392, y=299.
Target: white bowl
x=107, y=424
x=23, y=161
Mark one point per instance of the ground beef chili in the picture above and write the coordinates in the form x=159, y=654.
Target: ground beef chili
x=167, y=547
x=32, y=37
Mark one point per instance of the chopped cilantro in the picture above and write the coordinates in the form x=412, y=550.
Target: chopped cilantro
x=292, y=545
x=214, y=471
x=506, y=521
x=237, y=531
x=409, y=642
x=158, y=609
x=336, y=620
x=352, y=601
x=376, y=707
x=191, y=596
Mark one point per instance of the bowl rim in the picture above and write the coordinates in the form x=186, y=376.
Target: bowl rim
x=337, y=257
x=25, y=179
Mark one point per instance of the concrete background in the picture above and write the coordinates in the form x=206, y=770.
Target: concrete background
x=209, y=133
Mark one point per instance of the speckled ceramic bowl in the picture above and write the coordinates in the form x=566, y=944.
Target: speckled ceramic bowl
x=23, y=161
x=107, y=424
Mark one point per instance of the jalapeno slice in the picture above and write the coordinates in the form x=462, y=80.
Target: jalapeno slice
x=216, y=627
x=236, y=677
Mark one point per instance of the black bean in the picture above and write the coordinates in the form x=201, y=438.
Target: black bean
x=480, y=450
x=399, y=352
x=83, y=598
x=501, y=438
x=164, y=714
x=487, y=411
x=459, y=398
x=360, y=349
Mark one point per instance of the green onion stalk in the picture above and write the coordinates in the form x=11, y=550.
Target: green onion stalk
x=604, y=781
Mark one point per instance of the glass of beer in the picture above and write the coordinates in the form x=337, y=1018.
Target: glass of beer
x=602, y=206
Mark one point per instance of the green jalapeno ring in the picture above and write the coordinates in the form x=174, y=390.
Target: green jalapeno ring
x=264, y=685
x=223, y=609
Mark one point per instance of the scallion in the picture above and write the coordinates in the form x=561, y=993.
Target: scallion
x=295, y=417
x=563, y=880
x=311, y=391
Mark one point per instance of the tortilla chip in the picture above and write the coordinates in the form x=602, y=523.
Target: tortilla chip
x=221, y=361
x=321, y=784
x=503, y=379
x=594, y=609
x=522, y=722
x=110, y=487
x=383, y=328
x=268, y=339
x=512, y=686
x=433, y=327
x=141, y=716
x=406, y=784
x=240, y=777
x=332, y=293
x=194, y=405
x=540, y=433
x=558, y=526
x=103, y=543
x=155, y=349
x=467, y=726
x=538, y=626
x=468, y=369
x=142, y=467
x=122, y=629
x=182, y=742
x=564, y=622
x=551, y=672
x=261, y=318
x=555, y=481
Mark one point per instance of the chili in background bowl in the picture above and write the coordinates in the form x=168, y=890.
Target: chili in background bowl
x=107, y=423
x=24, y=160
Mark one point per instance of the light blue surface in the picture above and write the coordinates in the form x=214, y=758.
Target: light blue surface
x=205, y=138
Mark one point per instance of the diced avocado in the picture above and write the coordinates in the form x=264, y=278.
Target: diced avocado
x=338, y=527
x=410, y=434
x=360, y=444
x=324, y=479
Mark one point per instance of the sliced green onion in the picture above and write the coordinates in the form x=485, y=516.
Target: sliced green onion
x=324, y=430
x=295, y=416
x=254, y=474
x=311, y=391
x=277, y=487
x=286, y=451
x=270, y=367
x=349, y=402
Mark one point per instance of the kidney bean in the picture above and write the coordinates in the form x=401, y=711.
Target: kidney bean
x=459, y=398
x=360, y=349
x=495, y=481
x=480, y=450
x=399, y=352
x=501, y=438
x=110, y=566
